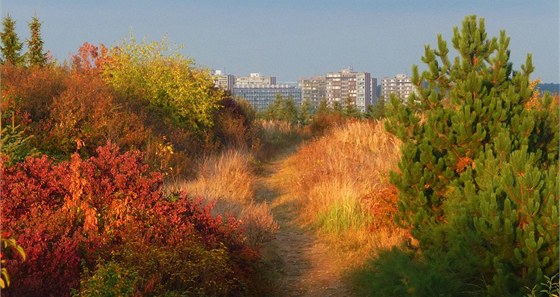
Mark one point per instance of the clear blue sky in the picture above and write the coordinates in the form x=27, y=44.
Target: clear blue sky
x=291, y=39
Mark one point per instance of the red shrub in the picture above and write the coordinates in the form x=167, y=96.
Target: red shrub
x=89, y=58
x=52, y=266
x=67, y=212
x=73, y=213
x=382, y=204
x=35, y=184
x=213, y=231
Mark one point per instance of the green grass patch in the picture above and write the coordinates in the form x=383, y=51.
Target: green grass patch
x=343, y=215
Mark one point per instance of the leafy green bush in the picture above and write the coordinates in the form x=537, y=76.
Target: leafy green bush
x=174, y=89
x=108, y=280
x=549, y=288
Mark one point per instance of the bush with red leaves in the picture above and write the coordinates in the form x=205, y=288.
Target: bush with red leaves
x=69, y=215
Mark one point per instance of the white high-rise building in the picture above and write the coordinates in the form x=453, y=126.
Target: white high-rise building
x=348, y=84
x=362, y=98
x=339, y=87
x=400, y=85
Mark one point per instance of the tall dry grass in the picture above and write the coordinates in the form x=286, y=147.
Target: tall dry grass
x=227, y=180
x=224, y=176
x=342, y=182
x=274, y=137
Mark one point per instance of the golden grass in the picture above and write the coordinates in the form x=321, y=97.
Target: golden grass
x=228, y=181
x=225, y=176
x=353, y=160
x=275, y=136
x=342, y=182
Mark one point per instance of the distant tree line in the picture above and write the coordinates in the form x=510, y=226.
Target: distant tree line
x=549, y=87
x=286, y=109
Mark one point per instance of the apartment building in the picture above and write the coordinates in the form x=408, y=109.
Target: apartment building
x=223, y=81
x=338, y=87
x=374, y=95
x=313, y=89
x=261, y=95
x=400, y=85
x=255, y=79
x=362, y=90
x=261, y=90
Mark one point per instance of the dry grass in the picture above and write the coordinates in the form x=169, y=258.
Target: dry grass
x=342, y=181
x=275, y=136
x=228, y=181
x=352, y=161
x=225, y=176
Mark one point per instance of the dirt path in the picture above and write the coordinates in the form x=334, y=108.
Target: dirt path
x=304, y=265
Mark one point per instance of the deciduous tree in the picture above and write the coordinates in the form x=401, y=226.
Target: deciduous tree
x=176, y=91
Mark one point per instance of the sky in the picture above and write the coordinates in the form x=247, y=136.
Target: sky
x=293, y=39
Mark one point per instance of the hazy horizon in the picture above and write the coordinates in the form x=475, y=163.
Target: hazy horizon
x=291, y=40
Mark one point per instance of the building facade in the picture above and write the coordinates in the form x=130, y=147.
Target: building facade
x=374, y=95
x=260, y=96
x=400, y=85
x=362, y=98
x=313, y=89
x=339, y=87
x=260, y=90
x=255, y=79
x=223, y=81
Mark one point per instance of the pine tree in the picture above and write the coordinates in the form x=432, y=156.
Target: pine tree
x=274, y=108
x=283, y=109
x=35, y=54
x=306, y=112
x=337, y=107
x=11, y=45
x=377, y=110
x=477, y=181
x=289, y=111
x=349, y=109
x=323, y=107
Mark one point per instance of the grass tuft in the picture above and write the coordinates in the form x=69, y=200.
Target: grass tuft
x=343, y=177
x=228, y=181
x=341, y=181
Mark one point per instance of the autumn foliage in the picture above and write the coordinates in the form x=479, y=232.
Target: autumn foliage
x=77, y=213
x=102, y=96
x=83, y=164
